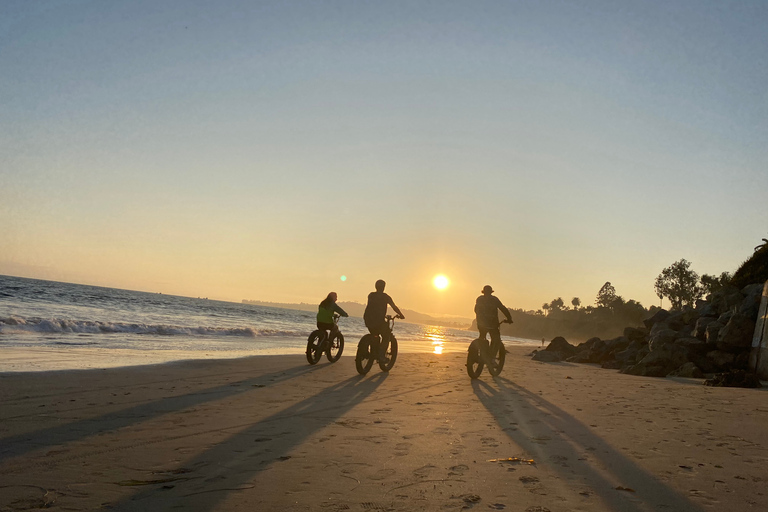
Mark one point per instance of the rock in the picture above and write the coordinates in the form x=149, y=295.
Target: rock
x=660, y=362
x=612, y=364
x=661, y=337
x=588, y=344
x=689, y=316
x=726, y=299
x=560, y=345
x=635, y=334
x=737, y=334
x=688, y=370
x=547, y=357
x=713, y=331
x=723, y=360
x=690, y=342
x=735, y=378
x=750, y=306
x=700, y=329
x=659, y=316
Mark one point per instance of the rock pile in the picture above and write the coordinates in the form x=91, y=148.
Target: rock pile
x=713, y=337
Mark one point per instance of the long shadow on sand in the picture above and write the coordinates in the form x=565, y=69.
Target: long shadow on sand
x=81, y=429
x=231, y=465
x=548, y=434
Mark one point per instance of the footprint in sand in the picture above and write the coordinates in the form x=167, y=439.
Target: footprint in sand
x=424, y=471
x=489, y=441
x=461, y=468
x=402, y=449
x=382, y=474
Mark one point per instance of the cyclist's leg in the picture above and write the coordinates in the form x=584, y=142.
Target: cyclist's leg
x=484, y=348
x=384, y=346
x=495, y=343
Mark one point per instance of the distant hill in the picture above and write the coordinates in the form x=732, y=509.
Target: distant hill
x=357, y=309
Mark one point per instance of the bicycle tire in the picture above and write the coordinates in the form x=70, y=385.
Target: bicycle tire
x=390, y=357
x=498, y=355
x=474, y=359
x=314, y=342
x=364, y=356
x=335, y=348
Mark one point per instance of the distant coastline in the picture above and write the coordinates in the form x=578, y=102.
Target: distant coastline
x=357, y=309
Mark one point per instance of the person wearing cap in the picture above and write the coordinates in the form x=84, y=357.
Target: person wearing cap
x=376, y=312
x=486, y=313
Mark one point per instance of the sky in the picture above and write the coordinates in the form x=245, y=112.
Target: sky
x=263, y=150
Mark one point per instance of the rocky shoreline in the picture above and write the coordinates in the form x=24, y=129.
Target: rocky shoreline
x=712, y=340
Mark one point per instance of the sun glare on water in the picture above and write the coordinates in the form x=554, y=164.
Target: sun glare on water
x=440, y=282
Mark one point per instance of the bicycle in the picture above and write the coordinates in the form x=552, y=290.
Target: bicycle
x=369, y=349
x=318, y=343
x=480, y=354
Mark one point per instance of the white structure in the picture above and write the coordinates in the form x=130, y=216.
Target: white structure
x=758, y=358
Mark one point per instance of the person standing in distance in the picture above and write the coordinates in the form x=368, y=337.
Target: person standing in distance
x=375, y=315
x=487, y=316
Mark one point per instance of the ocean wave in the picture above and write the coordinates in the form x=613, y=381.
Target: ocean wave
x=18, y=325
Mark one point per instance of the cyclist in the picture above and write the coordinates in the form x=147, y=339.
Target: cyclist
x=375, y=315
x=325, y=312
x=486, y=313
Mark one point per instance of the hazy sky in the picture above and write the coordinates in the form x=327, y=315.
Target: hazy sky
x=261, y=150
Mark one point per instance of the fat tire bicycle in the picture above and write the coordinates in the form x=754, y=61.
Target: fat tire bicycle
x=318, y=343
x=481, y=353
x=369, y=348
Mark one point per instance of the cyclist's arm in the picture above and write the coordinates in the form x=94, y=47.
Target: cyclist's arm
x=505, y=310
x=397, y=310
x=340, y=311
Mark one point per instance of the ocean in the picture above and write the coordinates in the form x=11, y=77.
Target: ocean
x=47, y=325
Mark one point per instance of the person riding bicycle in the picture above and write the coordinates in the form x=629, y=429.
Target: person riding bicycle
x=486, y=313
x=325, y=312
x=375, y=315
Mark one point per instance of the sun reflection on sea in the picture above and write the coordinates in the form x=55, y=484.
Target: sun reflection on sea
x=436, y=336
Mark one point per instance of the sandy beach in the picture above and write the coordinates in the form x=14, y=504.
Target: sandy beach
x=273, y=433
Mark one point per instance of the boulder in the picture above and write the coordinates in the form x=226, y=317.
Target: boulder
x=750, y=306
x=726, y=299
x=661, y=338
x=737, y=333
x=700, y=329
x=659, y=363
x=735, y=378
x=713, y=331
x=657, y=317
x=722, y=360
x=547, y=357
x=560, y=345
x=635, y=334
x=688, y=370
x=690, y=342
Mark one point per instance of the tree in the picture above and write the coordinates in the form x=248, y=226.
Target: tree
x=711, y=284
x=557, y=304
x=545, y=307
x=679, y=284
x=576, y=302
x=606, y=295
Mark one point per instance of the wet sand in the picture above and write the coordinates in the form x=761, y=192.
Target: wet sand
x=273, y=433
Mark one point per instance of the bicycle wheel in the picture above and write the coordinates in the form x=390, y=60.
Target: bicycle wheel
x=496, y=362
x=335, y=348
x=388, y=361
x=365, y=354
x=314, y=342
x=475, y=359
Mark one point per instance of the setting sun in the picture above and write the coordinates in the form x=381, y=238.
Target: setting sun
x=440, y=282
